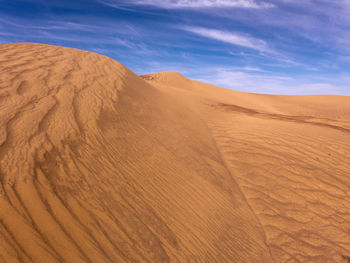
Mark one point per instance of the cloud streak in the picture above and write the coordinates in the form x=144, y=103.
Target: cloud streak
x=231, y=38
x=259, y=82
x=264, y=46
x=182, y=4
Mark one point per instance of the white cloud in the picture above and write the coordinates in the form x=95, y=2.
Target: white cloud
x=231, y=38
x=173, y=4
x=256, y=82
x=248, y=82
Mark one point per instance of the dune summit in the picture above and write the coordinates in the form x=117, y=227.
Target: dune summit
x=101, y=165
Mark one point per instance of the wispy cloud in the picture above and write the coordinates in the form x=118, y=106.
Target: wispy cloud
x=231, y=38
x=247, y=81
x=323, y=22
x=180, y=4
x=257, y=82
x=263, y=46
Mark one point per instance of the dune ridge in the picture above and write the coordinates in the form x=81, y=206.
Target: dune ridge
x=290, y=155
x=98, y=164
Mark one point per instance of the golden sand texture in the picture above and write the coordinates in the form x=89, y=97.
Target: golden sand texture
x=290, y=156
x=98, y=164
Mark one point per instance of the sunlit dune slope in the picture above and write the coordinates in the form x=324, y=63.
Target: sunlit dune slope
x=290, y=155
x=99, y=166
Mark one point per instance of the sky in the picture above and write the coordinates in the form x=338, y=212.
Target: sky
x=262, y=46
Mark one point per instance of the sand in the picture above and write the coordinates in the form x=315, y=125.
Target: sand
x=98, y=164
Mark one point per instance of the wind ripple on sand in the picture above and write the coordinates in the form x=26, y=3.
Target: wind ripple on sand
x=99, y=166
x=295, y=175
x=290, y=155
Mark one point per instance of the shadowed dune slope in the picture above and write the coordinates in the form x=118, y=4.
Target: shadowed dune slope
x=290, y=156
x=97, y=165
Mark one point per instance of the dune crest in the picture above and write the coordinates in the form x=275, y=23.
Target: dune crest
x=290, y=155
x=168, y=78
x=101, y=165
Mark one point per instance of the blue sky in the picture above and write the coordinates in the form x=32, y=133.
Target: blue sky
x=272, y=46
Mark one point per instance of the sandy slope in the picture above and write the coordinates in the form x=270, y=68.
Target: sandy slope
x=100, y=165
x=290, y=155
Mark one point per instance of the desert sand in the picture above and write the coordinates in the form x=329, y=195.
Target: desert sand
x=98, y=164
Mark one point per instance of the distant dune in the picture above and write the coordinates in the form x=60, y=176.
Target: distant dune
x=98, y=164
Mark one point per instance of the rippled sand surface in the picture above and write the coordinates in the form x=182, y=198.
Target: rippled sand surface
x=98, y=164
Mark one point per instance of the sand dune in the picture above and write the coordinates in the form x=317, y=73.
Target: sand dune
x=290, y=155
x=98, y=164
